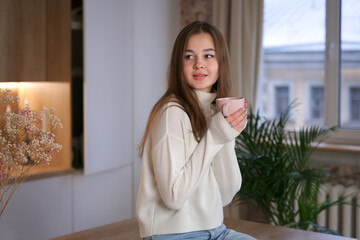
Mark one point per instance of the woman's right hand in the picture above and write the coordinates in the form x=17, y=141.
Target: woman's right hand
x=238, y=120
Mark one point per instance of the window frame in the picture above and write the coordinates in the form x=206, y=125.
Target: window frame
x=332, y=84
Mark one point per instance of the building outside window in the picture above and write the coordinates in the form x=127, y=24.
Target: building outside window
x=317, y=40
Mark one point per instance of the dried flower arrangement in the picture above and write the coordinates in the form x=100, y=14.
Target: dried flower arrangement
x=25, y=143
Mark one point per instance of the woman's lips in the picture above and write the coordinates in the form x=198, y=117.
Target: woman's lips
x=199, y=76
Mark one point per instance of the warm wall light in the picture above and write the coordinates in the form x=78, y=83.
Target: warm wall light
x=37, y=95
x=9, y=85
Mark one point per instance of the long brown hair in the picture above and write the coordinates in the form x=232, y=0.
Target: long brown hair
x=180, y=92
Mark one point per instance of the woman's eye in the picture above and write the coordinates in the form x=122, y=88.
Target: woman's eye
x=189, y=57
x=209, y=56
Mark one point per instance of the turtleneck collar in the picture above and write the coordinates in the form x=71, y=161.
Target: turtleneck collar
x=205, y=99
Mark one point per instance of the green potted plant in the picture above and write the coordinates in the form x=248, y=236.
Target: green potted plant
x=277, y=174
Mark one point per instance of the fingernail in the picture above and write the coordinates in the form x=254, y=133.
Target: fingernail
x=246, y=111
x=243, y=109
x=246, y=117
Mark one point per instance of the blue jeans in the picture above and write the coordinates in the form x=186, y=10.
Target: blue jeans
x=219, y=233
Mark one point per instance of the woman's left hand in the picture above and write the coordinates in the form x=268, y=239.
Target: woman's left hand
x=238, y=120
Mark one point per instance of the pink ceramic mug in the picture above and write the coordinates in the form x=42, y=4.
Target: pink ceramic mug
x=229, y=105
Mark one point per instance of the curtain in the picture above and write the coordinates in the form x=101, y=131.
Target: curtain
x=241, y=22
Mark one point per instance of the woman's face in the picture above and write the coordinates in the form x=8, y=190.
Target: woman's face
x=200, y=65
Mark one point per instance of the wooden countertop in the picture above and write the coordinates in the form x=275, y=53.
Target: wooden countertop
x=129, y=230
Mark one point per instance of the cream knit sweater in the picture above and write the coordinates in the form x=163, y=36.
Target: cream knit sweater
x=184, y=183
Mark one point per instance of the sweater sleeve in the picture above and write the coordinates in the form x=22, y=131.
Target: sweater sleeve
x=178, y=169
x=227, y=172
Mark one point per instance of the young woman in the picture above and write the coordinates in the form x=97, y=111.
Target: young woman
x=189, y=166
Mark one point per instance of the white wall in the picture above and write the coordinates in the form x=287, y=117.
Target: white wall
x=153, y=41
x=108, y=65
x=50, y=207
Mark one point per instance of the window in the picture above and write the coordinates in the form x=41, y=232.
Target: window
x=313, y=102
x=355, y=104
x=317, y=103
x=282, y=99
x=282, y=91
x=349, y=64
x=313, y=45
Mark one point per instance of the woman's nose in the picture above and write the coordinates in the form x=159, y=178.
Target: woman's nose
x=198, y=64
